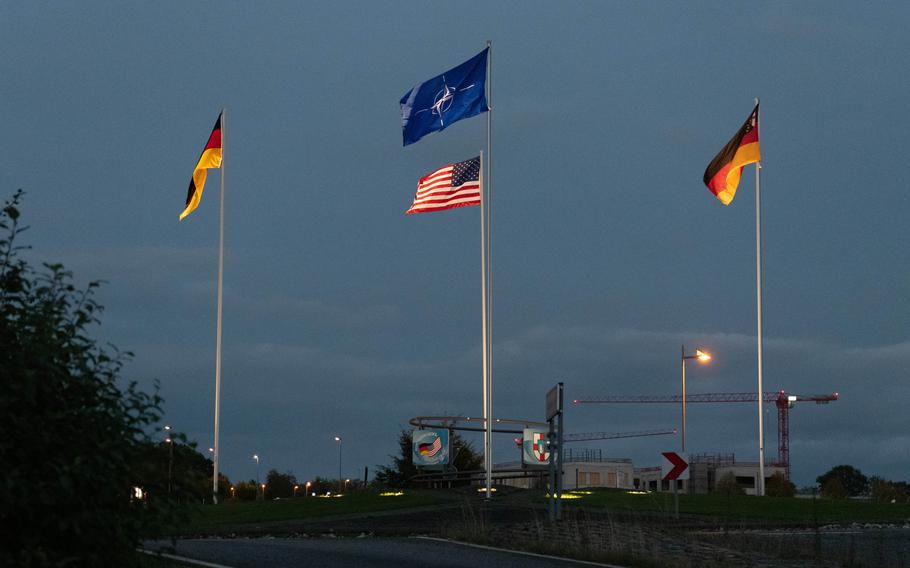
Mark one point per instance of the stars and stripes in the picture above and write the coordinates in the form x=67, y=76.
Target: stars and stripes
x=454, y=185
x=430, y=449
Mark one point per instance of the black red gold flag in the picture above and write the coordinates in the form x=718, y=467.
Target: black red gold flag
x=210, y=158
x=723, y=173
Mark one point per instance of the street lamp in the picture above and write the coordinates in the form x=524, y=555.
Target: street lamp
x=338, y=439
x=307, y=494
x=170, y=458
x=256, y=457
x=703, y=357
x=296, y=487
x=346, y=481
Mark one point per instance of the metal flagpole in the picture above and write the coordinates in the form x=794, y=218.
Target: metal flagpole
x=216, y=448
x=487, y=462
x=488, y=294
x=760, y=487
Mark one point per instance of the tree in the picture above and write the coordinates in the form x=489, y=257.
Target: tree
x=728, y=486
x=402, y=469
x=176, y=471
x=853, y=480
x=279, y=484
x=779, y=486
x=834, y=488
x=72, y=432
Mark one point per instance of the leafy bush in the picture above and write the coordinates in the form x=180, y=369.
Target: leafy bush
x=778, y=486
x=71, y=433
x=852, y=479
x=728, y=486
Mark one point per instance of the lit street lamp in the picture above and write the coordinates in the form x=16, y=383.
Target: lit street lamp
x=170, y=458
x=307, y=494
x=702, y=357
x=338, y=439
x=256, y=457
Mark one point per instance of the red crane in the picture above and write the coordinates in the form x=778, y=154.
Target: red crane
x=783, y=400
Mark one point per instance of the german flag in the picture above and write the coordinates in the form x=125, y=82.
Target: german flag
x=722, y=175
x=210, y=158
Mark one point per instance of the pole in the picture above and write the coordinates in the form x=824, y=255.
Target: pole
x=170, y=464
x=216, y=453
x=488, y=420
x=488, y=284
x=760, y=487
x=683, y=360
x=340, y=482
x=560, y=461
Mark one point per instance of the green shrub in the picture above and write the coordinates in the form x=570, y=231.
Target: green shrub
x=71, y=432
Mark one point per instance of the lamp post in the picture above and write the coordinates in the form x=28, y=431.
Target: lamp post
x=170, y=458
x=256, y=457
x=296, y=487
x=308, y=483
x=346, y=481
x=703, y=357
x=338, y=439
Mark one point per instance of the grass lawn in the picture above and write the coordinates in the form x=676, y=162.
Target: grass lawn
x=241, y=512
x=775, y=509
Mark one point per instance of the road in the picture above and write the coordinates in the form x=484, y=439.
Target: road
x=352, y=553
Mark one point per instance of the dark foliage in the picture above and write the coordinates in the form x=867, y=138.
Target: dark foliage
x=71, y=432
x=852, y=479
x=779, y=486
x=402, y=468
x=279, y=484
x=175, y=471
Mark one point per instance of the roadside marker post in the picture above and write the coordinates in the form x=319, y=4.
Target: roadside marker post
x=676, y=468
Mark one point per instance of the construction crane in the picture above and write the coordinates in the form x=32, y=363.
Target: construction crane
x=783, y=400
x=589, y=436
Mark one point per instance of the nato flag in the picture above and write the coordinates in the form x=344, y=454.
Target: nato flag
x=433, y=105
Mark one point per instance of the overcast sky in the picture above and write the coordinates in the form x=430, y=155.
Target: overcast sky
x=342, y=316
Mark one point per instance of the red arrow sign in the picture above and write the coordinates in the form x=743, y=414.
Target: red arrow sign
x=678, y=464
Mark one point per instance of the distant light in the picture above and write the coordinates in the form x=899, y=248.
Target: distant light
x=167, y=427
x=137, y=492
x=212, y=450
x=337, y=439
x=168, y=440
x=636, y=492
x=484, y=490
x=702, y=356
x=566, y=496
x=392, y=494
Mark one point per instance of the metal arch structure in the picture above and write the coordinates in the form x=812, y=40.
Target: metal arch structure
x=782, y=399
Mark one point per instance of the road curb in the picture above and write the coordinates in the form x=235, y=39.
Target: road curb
x=183, y=559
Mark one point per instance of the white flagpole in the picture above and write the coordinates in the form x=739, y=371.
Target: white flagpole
x=216, y=448
x=483, y=285
x=488, y=293
x=760, y=487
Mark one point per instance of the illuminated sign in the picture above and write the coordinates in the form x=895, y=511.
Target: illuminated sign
x=430, y=448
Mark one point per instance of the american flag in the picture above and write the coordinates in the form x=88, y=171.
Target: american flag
x=454, y=185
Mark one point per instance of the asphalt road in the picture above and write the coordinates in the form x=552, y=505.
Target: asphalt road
x=351, y=553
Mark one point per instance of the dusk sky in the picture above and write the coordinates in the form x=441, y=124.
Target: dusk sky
x=343, y=316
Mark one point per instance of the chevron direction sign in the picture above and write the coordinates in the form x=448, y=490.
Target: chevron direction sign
x=674, y=467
